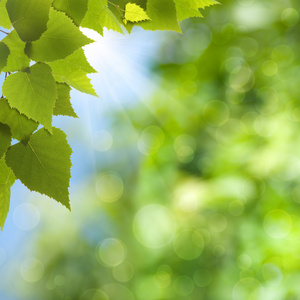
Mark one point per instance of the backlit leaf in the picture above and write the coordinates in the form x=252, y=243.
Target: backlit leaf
x=75, y=9
x=63, y=104
x=17, y=59
x=5, y=138
x=61, y=39
x=134, y=13
x=6, y=174
x=73, y=71
x=33, y=93
x=201, y=3
x=4, y=18
x=99, y=16
x=43, y=165
x=4, y=53
x=4, y=203
x=21, y=127
x=78, y=60
x=7, y=179
x=162, y=14
x=29, y=17
x=185, y=11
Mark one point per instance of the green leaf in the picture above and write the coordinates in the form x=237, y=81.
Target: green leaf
x=4, y=18
x=6, y=174
x=75, y=9
x=141, y=3
x=5, y=138
x=4, y=203
x=78, y=60
x=162, y=14
x=63, y=104
x=4, y=53
x=61, y=39
x=73, y=71
x=21, y=127
x=7, y=179
x=190, y=8
x=196, y=4
x=32, y=93
x=74, y=77
x=184, y=10
x=17, y=59
x=134, y=13
x=99, y=16
x=43, y=165
x=29, y=17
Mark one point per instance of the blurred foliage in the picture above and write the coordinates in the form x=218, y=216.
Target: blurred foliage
x=203, y=201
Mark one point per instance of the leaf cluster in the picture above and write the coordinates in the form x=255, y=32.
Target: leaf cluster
x=42, y=58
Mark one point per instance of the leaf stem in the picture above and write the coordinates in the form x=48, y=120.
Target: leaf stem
x=117, y=6
x=4, y=31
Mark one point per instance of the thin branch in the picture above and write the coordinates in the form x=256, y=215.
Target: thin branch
x=3, y=31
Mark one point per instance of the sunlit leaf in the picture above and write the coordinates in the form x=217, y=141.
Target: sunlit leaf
x=21, y=127
x=61, y=39
x=43, y=164
x=29, y=17
x=32, y=93
x=134, y=13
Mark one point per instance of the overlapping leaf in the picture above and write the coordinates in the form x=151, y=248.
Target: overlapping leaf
x=29, y=17
x=184, y=10
x=5, y=138
x=190, y=8
x=6, y=174
x=63, y=104
x=4, y=203
x=17, y=59
x=7, y=179
x=47, y=32
x=75, y=77
x=78, y=60
x=117, y=7
x=75, y=9
x=163, y=16
x=43, y=165
x=33, y=93
x=73, y=71
x=21, y=127
x=201, y=3
x=4, y=18
x=4, y=53
x=61, y=39
x=99, y=16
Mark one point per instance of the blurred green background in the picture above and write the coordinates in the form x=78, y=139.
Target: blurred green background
x=198, y=197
